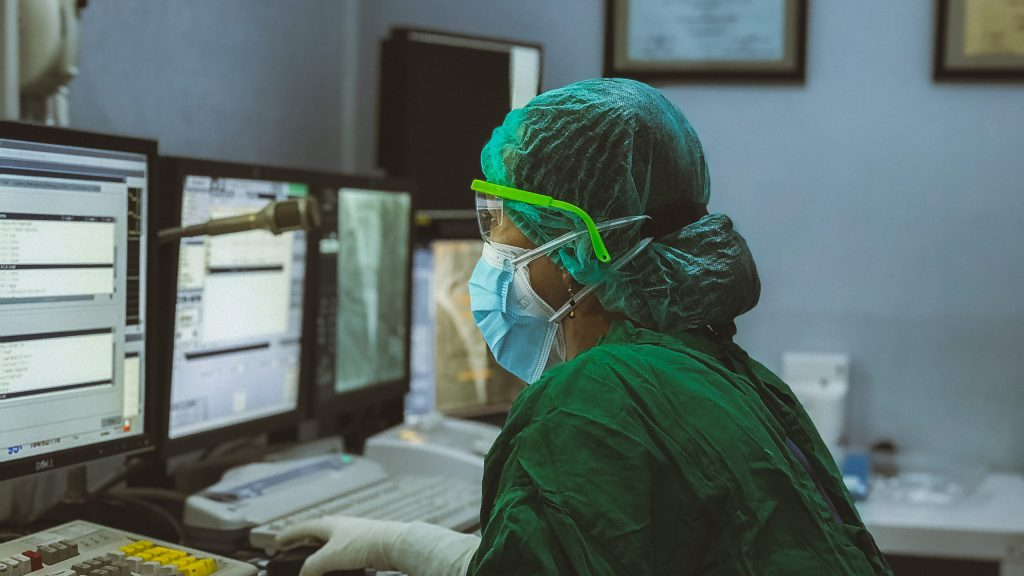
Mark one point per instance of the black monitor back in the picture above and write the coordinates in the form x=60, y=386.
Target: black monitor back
x=441, y=97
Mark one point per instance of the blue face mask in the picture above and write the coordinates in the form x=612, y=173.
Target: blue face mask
x=514, y=320
x=523, y=332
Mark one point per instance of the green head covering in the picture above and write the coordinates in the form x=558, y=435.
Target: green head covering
x=618, y=148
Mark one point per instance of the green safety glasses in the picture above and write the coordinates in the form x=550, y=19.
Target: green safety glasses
x=490, y=211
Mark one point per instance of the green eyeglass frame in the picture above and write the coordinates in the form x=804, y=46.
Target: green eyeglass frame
x=535, y=199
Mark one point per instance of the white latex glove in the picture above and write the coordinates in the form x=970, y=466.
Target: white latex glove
x=416, y=548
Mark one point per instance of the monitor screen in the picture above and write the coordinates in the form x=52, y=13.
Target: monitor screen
x=373, y=287
x=363, y=309
x=454, y=372
x=237, y=347
x=73, y=243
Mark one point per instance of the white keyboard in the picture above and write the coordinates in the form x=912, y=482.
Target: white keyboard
x=84, y=549
x=436, y=500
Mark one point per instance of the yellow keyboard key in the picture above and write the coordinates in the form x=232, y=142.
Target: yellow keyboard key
x=202, y=567
x=177, y=554
x=133, y=548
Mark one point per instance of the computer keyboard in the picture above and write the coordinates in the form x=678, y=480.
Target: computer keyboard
x=436, y=500
x=84, y=549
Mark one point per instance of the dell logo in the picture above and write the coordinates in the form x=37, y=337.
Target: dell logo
x=44, y=464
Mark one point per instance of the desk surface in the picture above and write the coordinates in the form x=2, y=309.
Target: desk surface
x=988, y=524
x=996, y=506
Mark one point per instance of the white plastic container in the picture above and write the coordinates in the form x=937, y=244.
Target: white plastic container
x=821, y=383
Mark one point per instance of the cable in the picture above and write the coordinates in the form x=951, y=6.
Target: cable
x=174, y=523
x=208, y=452
x=230, y=446
x=160, y=494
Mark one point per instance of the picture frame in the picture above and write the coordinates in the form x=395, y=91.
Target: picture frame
x=696, y=40
x=979, y=41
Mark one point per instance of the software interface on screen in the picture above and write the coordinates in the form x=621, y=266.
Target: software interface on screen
x=72, y=297
x=372, y=287
x=238, y=316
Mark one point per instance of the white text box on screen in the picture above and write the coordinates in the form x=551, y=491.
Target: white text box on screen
x=192, y=266
x=241, y=306
x=27, y=241
x=248, y=249
x=55, y=282
x=37, y=364
x=132, y=381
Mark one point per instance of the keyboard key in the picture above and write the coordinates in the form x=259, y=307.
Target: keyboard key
x=61, y=552
x=72, y=548
x=48, y=553
x=35, y=560
x=24, y=564
x=121, y=568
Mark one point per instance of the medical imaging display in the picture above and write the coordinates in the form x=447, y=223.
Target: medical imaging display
x=373, y=278
x=466, y=374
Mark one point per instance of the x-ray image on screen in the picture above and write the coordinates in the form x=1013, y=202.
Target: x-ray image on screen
x=373, y=269
x=468, y=378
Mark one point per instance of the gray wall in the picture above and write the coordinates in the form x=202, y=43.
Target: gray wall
x=886, y=212
x=255, y=81
x=243, y=80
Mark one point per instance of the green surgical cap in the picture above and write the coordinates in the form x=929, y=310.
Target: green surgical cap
x=616, y=148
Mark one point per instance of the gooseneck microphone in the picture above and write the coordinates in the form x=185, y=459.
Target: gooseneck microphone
x=276, y=217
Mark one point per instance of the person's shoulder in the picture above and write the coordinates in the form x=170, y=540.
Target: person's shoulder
x=617, y=371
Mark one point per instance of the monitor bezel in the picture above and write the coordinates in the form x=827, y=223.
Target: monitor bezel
x=173, y=173
x=323, y=405
x=146, y=441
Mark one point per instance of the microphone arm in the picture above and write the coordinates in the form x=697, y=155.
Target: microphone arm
x=276, y=217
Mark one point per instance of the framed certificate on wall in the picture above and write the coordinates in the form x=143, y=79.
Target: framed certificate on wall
x=706, y=40
x=979, y=40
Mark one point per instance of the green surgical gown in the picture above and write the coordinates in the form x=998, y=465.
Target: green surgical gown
x=651, y=454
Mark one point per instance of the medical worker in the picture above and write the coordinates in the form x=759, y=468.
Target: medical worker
x=648, y=441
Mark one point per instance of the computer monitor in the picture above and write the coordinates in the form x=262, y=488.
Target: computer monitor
x=235, y=362
x=454, y=373
x=362, y=306
x=74, y=239
x=441, y=96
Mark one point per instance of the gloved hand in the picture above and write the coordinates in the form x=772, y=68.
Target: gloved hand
x=416, y=548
